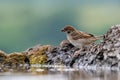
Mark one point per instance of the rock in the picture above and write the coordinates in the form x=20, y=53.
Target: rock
x=37, y=54
x=3, y=57
x=15, y=62
x=61, y=55
x=105, y=53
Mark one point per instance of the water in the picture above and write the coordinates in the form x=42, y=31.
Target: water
x=63, y=74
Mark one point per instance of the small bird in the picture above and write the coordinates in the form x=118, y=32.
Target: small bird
x=78, y=38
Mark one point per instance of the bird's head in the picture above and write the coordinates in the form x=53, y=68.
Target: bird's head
x=68, y=29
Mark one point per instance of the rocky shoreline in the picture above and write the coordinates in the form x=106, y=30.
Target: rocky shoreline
x=104, y=54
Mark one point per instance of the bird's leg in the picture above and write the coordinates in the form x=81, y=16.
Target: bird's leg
x=78, y=52
x=89, y=47
x=84, y=49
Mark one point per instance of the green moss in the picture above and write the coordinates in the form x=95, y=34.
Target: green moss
x=38, y=55
x=40, y=59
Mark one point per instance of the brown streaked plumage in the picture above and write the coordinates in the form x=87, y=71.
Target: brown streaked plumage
x=78, y=38
x=80, y=35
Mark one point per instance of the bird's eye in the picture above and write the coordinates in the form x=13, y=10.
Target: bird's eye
x=68, y=32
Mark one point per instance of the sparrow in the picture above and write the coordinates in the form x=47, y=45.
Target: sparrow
x=78, y=38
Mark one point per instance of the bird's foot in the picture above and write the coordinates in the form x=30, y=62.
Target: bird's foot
x=76, y=53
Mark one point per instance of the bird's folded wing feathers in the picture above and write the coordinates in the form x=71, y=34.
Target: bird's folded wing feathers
x=81, y=35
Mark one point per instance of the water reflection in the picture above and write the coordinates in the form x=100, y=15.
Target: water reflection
x=62, y=75
x=93, y=75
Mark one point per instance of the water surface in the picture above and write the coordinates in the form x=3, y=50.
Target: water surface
x=65, y=74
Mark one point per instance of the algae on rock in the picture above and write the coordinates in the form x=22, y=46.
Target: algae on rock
x=37, y=54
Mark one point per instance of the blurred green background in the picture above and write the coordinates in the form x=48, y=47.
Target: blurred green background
x=26, y=23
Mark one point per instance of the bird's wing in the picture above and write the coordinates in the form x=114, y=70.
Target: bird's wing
x=81, y=35
x=86, y=35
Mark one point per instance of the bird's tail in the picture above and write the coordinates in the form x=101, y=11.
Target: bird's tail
x=99, y=37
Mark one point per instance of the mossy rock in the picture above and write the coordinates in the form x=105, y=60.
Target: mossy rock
x=16, y=58
x=40, y=59
x=15, y=61
x=38, y=54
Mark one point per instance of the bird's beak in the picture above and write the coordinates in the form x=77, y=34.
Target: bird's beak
x=62, y=30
